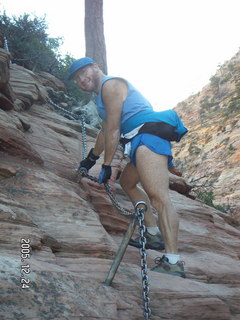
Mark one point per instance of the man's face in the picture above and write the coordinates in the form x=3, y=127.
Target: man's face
x=85, y=78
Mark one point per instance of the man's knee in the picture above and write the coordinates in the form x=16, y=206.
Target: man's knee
x=122, y=181
x=125, y=183
x=128, y=178
x=159, y=201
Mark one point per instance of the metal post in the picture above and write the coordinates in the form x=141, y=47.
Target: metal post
x=119, y=255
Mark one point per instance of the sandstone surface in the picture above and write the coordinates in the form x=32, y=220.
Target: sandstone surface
x=50, y=81
x=74, y=231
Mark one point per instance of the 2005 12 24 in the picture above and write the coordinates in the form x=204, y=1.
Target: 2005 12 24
x=25, y=267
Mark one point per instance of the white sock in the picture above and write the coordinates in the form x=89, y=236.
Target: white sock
x=172, y=258
x=153, y=230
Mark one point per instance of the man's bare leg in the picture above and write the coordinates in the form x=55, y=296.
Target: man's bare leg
x=129, y=180
x=152, y=170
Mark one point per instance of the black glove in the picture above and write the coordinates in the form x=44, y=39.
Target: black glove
x=89, y=162
x=105, y=174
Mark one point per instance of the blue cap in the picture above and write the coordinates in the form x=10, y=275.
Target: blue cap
x=78, y=64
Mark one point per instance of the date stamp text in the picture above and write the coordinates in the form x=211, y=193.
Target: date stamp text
x=25, y=266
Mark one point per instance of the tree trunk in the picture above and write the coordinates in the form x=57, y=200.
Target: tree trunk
x=94, y=33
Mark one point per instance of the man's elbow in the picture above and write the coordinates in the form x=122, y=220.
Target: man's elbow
x=113, y=132
x=116, y=133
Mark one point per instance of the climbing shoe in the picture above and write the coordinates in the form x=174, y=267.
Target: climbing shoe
x=154, y=242
x=163, y=266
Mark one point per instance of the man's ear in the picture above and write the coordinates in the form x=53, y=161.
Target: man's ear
x=95, y=66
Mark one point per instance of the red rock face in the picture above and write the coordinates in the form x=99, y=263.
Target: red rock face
x=6, y=93
x=74, y=232
x=50, y=81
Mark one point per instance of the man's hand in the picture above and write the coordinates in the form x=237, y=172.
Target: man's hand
x=89, y=162
x=175, y=171
x=105, y=174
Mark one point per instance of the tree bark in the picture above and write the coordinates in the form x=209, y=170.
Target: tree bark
x=94, y=33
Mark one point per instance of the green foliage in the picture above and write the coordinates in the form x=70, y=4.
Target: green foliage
x=226, y=78
x=206, y=105
x=231, y=66
x=193, y=149
x=29, y=43
x=234, y=105
x=231, y=149
x=207, y=197
x=182, y=104
x=215, y=81
x=31, y=47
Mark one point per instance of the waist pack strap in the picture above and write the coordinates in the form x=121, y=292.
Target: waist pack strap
x=160, y=129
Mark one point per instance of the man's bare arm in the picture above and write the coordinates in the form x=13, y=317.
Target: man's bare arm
x=114, y=93
x=99, y=144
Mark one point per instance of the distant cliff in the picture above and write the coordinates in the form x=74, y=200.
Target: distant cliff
x=210, y=153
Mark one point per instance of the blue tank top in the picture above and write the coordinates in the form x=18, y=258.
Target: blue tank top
x=133, y=104
x=137, y=110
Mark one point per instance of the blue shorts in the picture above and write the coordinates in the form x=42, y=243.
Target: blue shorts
x=154, y=143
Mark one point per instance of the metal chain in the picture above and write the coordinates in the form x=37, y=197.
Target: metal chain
x=5, y=44
x=139, y=212
x=84, y=173
x=84, y=137
x=71, y=114
x=140, y=215
x=143, y=263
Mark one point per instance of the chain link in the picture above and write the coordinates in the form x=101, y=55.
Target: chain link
x=143, y=263
x=139, y=213
x=84, y=137
x=5, y=44
x=71, y=114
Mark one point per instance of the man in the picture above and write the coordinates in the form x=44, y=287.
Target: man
x=126, y=113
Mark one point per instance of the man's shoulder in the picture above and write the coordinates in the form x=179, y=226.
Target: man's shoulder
x=110, y=80
x=114, y=83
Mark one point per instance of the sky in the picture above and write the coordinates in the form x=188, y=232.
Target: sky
x=168, y=49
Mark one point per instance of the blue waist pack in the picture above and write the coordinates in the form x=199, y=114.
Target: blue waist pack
x=164, y=124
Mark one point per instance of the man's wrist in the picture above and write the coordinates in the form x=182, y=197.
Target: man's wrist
x=92, y=156
x=107, y=164
x=105, y=174
x=104, y=165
